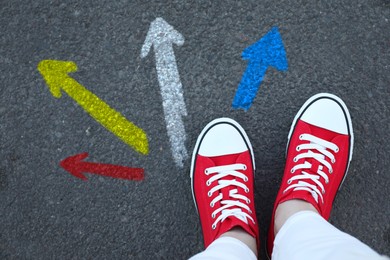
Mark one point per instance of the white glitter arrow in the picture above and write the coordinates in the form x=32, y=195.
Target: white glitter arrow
x=163, y=36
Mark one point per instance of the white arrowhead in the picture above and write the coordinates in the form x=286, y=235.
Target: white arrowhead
x=160, y=32
x=163, y=36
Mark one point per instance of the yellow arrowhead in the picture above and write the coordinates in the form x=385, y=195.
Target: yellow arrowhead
x=56, y=76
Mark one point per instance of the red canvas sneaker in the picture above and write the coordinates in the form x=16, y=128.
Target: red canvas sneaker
x=222, y=178
x=319, y=151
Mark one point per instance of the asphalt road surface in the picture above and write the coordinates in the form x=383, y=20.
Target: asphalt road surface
x=169, y=94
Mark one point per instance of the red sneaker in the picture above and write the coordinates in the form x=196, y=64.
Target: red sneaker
x=319, y=151
x=222, y=178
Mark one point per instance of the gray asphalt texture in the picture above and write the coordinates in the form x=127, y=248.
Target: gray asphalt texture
x=341, y=47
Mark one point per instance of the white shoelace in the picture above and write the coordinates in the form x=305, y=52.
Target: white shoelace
x=316, y=149
x=232, y=205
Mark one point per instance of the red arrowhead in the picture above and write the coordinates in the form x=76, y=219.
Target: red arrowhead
x=76, y=166
x=72, y=165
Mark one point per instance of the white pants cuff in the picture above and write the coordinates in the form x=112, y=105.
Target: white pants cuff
x=226, y=248
x=306, y=235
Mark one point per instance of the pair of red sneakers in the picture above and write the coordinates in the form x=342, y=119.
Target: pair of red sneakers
x=319, y=151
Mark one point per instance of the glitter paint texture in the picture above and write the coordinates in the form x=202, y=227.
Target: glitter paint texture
x=162, y=36
x=56, y=76
x=268, y=51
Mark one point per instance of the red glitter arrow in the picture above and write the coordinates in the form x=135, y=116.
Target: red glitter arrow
x=76, y=166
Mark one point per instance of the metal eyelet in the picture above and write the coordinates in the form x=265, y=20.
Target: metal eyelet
x=292, y=170
x=206, y=172
x=295, y=159
x=248, y=201
x=336, y=150
x=298, y=148
x=333, y=160
x=244, y=167
x=246, y=190
x=289, y=182
x=246, y=179
x=213, y=215
x=208, y=183
x=212, y=205
x=213, y=226
x=330, y=171
x=209, y=194
x=323, y=192
x=301, y=137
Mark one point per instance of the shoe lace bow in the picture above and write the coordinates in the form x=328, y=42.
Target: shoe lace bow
x=317, y=149
x=233, y=205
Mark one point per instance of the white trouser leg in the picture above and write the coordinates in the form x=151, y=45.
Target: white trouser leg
x=306, y=235
x=226, y=248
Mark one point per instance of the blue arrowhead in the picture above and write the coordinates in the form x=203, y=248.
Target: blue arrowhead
x=268, y=51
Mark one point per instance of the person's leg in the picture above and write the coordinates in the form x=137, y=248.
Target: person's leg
x=226, y=248
x=319, y=151
x=222, y=178
x=307, y=235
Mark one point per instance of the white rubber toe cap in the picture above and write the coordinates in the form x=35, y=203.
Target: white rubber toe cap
x=327, y=111
x=221, y=137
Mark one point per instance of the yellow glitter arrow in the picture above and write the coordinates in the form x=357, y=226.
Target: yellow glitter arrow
x=56, y=76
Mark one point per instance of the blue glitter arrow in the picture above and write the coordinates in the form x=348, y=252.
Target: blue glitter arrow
x=268, y=51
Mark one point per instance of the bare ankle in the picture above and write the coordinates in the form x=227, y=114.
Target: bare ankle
x=287, y=209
